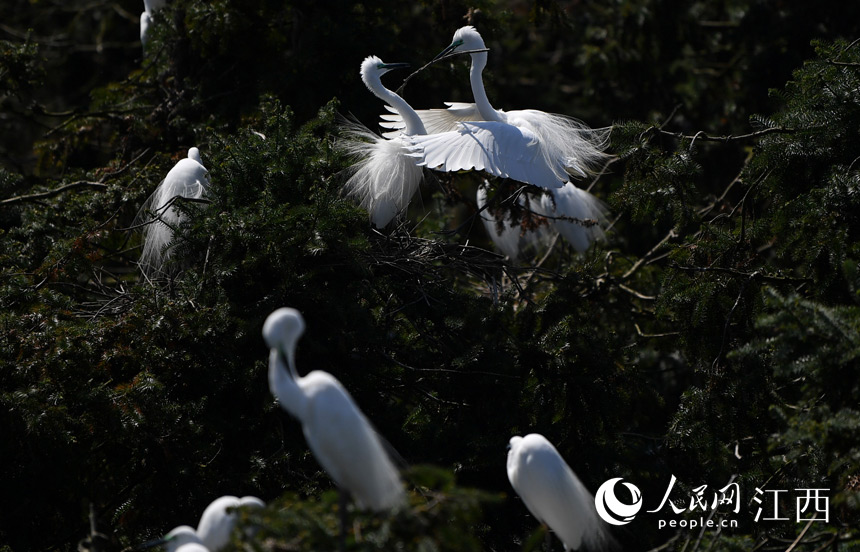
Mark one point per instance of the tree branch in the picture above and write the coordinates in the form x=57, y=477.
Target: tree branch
x=54, y=192
x=726, y=138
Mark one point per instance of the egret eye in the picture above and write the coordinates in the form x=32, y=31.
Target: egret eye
x=508, y=447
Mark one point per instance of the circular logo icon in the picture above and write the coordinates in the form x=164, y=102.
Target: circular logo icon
x=613, y=510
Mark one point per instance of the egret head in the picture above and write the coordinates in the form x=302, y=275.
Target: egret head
x=372, y=68
x=180, y=536
x=194, y=153
x=465, y=38
x=282, y=331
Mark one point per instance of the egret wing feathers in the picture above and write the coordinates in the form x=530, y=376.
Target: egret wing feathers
x=435, y=120
x=496, y=148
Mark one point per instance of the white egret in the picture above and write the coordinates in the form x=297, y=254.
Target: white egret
x=570, y=202
x=149, y=8
x=553, y=493
x=507, y=234
x=389, y=170
x=192, y=547
x=570, y=211
x=152, y=6
x=187, y=179
x=145, y=22
x=340, y=436
x=215, y=526
x=569, y=146
x=385, y=177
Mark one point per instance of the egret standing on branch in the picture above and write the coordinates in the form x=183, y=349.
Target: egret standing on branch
x=554, y=495
x=340, y=436
x=158, y=216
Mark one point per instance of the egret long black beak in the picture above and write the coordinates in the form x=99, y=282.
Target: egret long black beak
x=392, y=66
x=152, y=544
x=453, y=46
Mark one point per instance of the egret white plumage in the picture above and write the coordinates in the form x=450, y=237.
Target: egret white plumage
x=179, y=537
x=340, y=436
x=507, y=234
x=145, y=22
x=384, y=177
x=214, y=529
x=553, y=493
x=153, y=6
x=570, y=202
x=187, y=179
x=149, y=8
x=569, y=146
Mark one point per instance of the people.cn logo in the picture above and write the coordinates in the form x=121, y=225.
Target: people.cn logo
x=613, y=510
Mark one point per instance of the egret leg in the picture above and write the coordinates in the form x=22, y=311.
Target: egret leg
x=547, y=539
x=344, y=499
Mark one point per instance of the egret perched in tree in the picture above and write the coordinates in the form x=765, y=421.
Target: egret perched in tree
x=340, y=436
x=574, y=213
x=571, y=202
x=553, y=493
x=149, y=8
x=385, y=177
x=145, y=22
x=214, y=529
x=507, y=234
x=160, y=218
x=153, y=6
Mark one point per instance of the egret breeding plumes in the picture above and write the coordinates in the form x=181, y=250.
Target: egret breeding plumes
x=214, y=529
x=160, y=218
x=570, y=146
x=340, y=436
x=554, y=495
x=384, y=177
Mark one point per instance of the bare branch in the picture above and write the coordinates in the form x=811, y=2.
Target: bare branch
x=54, y=192
x=727, y=138
x=431, y=62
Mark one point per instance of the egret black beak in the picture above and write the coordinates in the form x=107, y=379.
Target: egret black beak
x=453, y=46
x=151, y=544
x=392, y=66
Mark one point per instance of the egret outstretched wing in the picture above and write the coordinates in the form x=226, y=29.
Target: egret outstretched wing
x=435, y=120
x=496, y=148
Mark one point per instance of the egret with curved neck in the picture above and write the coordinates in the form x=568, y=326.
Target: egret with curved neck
x=340, y=436
x=384, y=177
